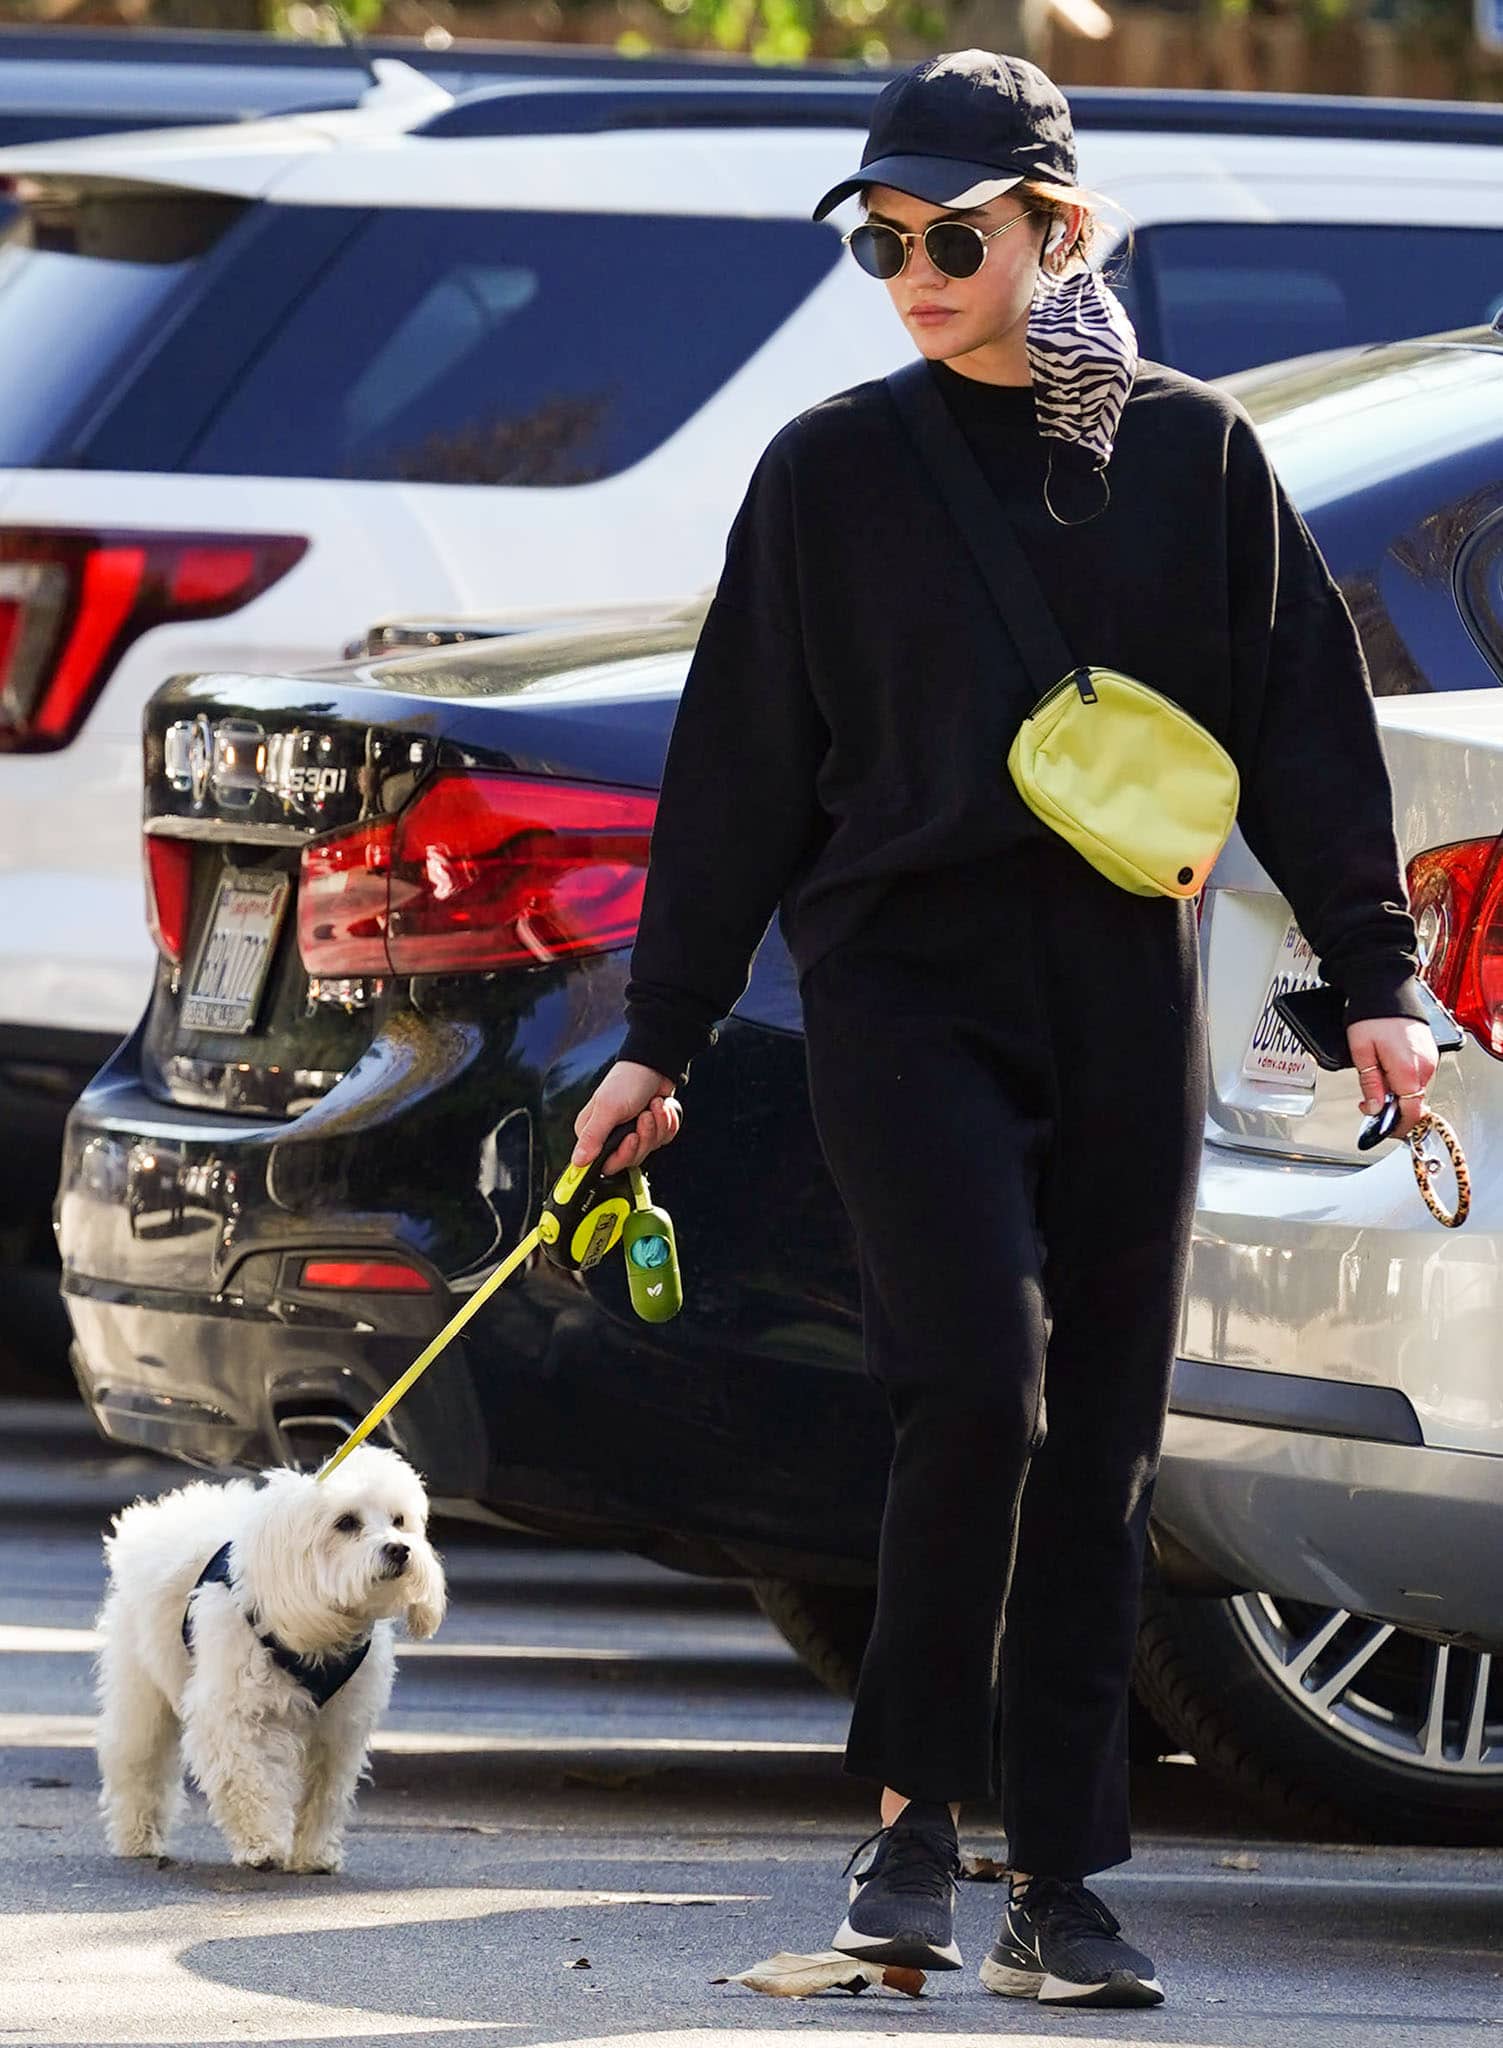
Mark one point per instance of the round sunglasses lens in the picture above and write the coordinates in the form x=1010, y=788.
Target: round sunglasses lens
x=953, y=248
x=877, y=249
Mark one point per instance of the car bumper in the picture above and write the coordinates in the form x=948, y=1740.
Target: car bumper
x=1380, y=1524
x=236, y=1388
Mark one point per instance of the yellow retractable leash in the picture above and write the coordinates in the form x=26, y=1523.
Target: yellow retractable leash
x=581, y=1220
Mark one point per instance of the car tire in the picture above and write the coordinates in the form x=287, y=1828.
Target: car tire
x=1201, y=1673
x=827, y=1626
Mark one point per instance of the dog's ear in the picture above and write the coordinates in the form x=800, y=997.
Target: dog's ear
x=425, y=1610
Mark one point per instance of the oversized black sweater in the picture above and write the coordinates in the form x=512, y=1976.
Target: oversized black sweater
x=848, y=712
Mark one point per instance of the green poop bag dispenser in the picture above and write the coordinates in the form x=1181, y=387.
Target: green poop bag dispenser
x=587, y=1211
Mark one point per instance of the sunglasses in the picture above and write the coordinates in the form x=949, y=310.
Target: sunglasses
x=954, y=247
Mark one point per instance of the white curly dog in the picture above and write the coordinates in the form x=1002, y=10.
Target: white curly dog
x=247, y=1631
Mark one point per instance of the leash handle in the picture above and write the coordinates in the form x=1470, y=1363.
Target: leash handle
x=585, y=1207
x=426, y=1356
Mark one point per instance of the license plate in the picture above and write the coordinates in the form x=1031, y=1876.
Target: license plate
x=1273, y=1052
x=236, y=953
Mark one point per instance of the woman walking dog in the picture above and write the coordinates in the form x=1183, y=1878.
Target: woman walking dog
x=994, y=1027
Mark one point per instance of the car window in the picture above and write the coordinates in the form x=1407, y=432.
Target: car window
x=510, y=348
x=1212, y=296
x=1480, y=576
x=83, y=276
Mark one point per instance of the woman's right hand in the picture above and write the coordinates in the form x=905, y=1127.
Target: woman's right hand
x=628, y=1092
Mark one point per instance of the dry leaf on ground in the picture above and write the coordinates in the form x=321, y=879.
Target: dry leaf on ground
x=1241, y=1859
x=983, y=1869
x=786, y=1975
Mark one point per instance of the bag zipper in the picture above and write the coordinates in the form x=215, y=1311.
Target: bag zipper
x=1077, y=679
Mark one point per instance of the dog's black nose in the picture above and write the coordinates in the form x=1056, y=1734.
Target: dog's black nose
x=394, y=1558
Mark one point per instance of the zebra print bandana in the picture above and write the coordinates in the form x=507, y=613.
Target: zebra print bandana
x=1083, y=355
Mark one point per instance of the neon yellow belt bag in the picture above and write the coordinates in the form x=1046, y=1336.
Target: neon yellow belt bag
x=1136, y=785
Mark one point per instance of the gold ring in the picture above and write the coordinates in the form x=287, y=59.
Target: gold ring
x=1413, y=1095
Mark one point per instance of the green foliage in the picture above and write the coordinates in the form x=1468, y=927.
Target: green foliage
x=788, y=31
x=314, y=21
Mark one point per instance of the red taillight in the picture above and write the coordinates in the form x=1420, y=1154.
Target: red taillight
x=109, y=586
x=210, y=575
x=486, y=871
x=71, y=603
x=1456, y=895
x=169, y=893
x=367, y=1276
x=342, y=902
x=495, y=871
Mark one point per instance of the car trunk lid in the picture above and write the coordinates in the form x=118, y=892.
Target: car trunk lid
x=1267, y=1095
x=316, y=845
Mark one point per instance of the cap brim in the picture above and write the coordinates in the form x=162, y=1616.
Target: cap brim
x=941, y=180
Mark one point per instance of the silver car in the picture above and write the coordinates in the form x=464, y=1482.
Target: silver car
x=1336, y=1441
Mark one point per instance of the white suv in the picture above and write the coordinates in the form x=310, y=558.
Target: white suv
x=522, y=348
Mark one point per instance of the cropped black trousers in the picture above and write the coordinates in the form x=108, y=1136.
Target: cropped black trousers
x=1007, y=1075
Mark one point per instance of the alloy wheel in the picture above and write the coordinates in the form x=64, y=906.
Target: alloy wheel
x=1432, y=1706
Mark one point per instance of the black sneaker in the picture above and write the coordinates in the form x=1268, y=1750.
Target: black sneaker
x=902, y=1906
x=1060, y=1945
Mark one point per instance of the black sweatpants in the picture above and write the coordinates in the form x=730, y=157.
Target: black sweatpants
x=1006, y=1072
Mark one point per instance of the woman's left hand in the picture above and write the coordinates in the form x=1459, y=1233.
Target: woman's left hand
x=1396, y=1056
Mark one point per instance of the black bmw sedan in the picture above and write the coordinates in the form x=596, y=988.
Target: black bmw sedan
x=393, y=904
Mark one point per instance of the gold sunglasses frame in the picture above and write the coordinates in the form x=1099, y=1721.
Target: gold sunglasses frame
x=908, y=236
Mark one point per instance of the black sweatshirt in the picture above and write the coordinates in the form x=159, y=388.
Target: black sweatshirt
x=848, y=712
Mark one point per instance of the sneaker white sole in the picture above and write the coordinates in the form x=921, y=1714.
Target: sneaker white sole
x=1008, y=1983
x=904, y=1952
x=1122, y=1989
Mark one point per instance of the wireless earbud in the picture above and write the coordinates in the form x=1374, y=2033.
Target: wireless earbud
x=1056, y=237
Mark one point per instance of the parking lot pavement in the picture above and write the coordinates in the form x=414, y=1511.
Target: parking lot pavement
x=602, y=1786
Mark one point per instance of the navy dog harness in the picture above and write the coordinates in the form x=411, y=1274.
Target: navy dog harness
x=321, y=1677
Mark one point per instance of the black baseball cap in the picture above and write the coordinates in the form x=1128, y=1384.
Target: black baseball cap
x=964, y=128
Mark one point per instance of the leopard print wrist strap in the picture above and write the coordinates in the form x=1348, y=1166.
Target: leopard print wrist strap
x=1427, y=1164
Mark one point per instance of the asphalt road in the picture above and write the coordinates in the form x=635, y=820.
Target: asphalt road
x=602, y=1786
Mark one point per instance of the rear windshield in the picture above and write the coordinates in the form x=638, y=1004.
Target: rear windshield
x=85, y=273
x=1211, y=297
x=1481, y=582
x=510, y=348
x=404, y=345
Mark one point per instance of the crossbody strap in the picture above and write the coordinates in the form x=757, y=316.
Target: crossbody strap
x=984, y=525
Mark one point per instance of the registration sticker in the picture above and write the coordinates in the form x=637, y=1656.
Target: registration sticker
x=236, y=954
x=1273, y=1052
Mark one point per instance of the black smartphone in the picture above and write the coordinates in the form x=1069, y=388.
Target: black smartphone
x=1317, y=1018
